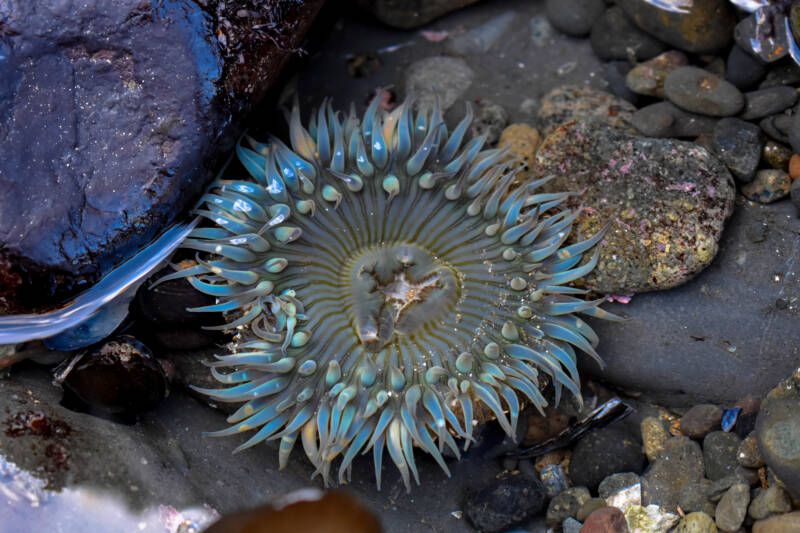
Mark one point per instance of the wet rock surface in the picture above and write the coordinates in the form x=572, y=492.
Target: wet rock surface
x=99, y=145
x=570, y=102
x=777, y=432
x=668, y=201
x=508, y=502
x=604, y=452
x=680, y=464
x=699, y=91
x=614, y=36
x=665, y=119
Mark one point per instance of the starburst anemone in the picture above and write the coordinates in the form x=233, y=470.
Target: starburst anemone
x=388, y=283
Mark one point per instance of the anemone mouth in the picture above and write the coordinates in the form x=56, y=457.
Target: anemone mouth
x=384, y=276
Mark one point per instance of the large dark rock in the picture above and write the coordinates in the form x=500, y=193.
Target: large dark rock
x=112, y=114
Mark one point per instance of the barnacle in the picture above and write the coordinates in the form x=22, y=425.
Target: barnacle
x=389, y=283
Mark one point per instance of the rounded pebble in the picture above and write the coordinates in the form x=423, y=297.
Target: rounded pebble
x=739, y=145
x=522, y=141
x=648, y=78
x=785, y=523
x=732, y=508
x=590, y=506
x=665, y=119
x=743, y=70
x=566, y=505
x=696, y=522
x=616, y=483
x=700, y=420
x=748, y=454
x=694, y=497
x=654, y=435
x=771, y=501
x=794, y=166
x=765, y=102
x=719, y=454
x=779, y=156
x=574, y=17
x=681, y=463
x=605, y=520
x=698, y=91
x=504, y=503
x=768, y=186
x=778, y=432
x=777, y=127
x=603, y=452
x=613, y=36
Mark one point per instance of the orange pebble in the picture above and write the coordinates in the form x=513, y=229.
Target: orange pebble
x=794, y=166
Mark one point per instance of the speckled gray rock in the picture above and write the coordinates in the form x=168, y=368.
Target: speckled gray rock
x=409, y=14
x=743, y=70
x=748, y=455
x=696, y=522
x=679, y=465
x=765, y=102
x=574, y=17
x=778, y=432
x=665, y=119
x=614, y=36
x=504, y=503
x=698, y=91
x=448, y=77
x=569, y=102
x=654, y=435
x=669, y=201
x=648, y=77
x=771, y=501
x=732, y=508
x=694, y=497
x=770, y=50
x=719, y=487
x=719, y=454
x=706, y=27
x=566, y=504
x=768, y=186
x=616, y=483
x=739, y=145
x=481, y=38
x=777, y=127
x=603, y=452
x=490, y=119
x=778, y=524
x=700, y=420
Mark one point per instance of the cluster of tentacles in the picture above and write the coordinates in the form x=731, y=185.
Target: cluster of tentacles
x=384, y=277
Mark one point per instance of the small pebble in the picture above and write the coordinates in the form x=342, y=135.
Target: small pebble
x=784, y=523
x=743, y=70
x=765, y=102
x=732, y=508
x=719, y=454
x=772, y=49
x=603, y=452
x=777, y=127
x=651, y=519
x=701, y=419
x=490, y=120
x=570, y=525
x=793, y=132
x=719, y=487
x=616, y=483
x=768, y=186
x=681, y=463
x=794, y=166
x=696, y=522
x=695, y=497
x=605, y=520
x=739, y=145
x=574, y=17
x=664, y=119
x=648, y=78
x=566, y=505
x=654, y=435
x=771, y=501
x=779, y=156
x=590, y=506
x=748, y=454
x=614, y=36
x=504, y=503
x=554, y=479
x=698, y=91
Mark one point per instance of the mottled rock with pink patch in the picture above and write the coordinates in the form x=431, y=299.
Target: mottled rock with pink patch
x=667, y=202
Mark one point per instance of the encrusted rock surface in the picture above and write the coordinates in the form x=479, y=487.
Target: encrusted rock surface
x=111, y=115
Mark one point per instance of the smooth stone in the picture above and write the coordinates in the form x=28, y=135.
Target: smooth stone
x=700, y=420
x=570, y=525
x=743, y=70
x=574, y=17
x=777, y=127
x=605, y=520
x=566, y=505
x=693, y=497
x=482, y=38
x=113, y=118
x=771, y=49
x=651, y=519
x=765, y=102
x=698, y=91
x=739, y=145
x=410, y=14
x=679, y=465
x=614, y=36
x=778, y=432
x=665, y=119
x=706, y=27
x=732, y=508
x=490, y=119
x=668, y=200
x=570, y=102
x=616, y=483
x=506, y=502
x=778, y=156
x=769, y=502
x=603, y=452
x=654, y=436
x=768, y=186
x=451, y=76
x=648, y=77
x=748, y=453
x=719, y=454
x=793, y=167
x=778, y=524
x=719, y=487
x=590, y=506
x=696, y=522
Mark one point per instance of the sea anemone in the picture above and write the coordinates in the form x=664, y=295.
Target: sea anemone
x=388, y=283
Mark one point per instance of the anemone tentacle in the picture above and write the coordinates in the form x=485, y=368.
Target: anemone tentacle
x=385, y=276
